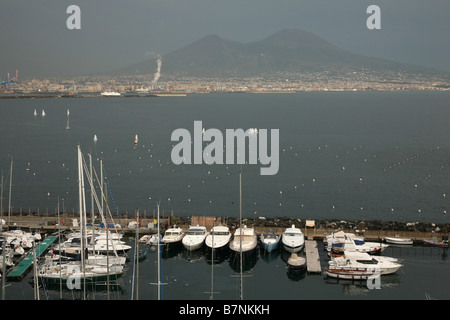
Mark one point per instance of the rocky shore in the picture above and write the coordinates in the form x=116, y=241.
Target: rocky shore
x=375, y=229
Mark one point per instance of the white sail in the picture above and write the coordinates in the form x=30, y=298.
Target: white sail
x=68, y=125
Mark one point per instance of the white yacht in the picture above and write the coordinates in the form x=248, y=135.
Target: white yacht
x=110, y=94
x=293, y=239
x=340, y=242
x=360, y=266
x=218, y=237
x=195, y=237
x=172, y=237
x=244, y=239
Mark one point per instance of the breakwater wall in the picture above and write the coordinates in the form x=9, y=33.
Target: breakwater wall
x=373, y=230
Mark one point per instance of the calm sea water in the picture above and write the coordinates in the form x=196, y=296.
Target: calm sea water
x=342, y=155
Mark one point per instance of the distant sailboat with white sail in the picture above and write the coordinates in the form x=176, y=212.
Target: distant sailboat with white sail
x=35, y=113
x=95, y=138
x=68, y=125
x=43, y=114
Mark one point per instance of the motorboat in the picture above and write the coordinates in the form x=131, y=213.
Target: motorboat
x=244, y=239
x=172, y=237
x=340, y=236
x=349, y=242
x=360, y=266
x=436, y=243
x=218, y=237
x=270, y=240
x=195, y=237
x=110, y=94
x=397, y=240
x=153, y=240
x=293, y=239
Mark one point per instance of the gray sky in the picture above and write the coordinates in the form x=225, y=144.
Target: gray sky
x=34, y=37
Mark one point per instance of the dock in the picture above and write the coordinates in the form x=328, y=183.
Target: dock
x=25, y=263
x=312, y=257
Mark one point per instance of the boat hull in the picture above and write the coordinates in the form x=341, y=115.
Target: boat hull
x=69, y=282
x=349, y=274
x=398, y=241
x=269, y=247
x=293, y=248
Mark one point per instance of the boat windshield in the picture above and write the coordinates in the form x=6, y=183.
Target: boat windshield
x=373, y=261
x=196, y=232
x=172, y=233
x=292, y=234
x=220, y=233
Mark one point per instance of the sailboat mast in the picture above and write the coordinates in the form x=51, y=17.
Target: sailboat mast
x=82, y=204
x=10, y=186
x=1, y=202
x=159, y=258
x=137, y=255
x=240, y=226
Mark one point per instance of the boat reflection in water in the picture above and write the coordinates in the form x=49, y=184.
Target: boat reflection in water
x=356, y=287
x=192, y=255
x=249, y=260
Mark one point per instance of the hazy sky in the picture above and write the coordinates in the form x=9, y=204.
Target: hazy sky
x=34, y=37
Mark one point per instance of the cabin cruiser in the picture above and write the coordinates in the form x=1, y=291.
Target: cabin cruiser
x=244, y=239
x=195, y=237
x=293, y=239
x=359, y=266
x=341, y=242
x=172, y=237
x=218, y=237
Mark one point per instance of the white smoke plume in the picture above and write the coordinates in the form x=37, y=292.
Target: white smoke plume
x=158, y=70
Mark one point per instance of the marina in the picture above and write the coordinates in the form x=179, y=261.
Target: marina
x=24, y=265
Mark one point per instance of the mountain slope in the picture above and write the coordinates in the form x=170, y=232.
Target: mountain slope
x=288, y=50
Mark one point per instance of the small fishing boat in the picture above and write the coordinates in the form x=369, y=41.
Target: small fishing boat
x=195, y=237
x=397, y=240
x=436, y=243
x=142, y=255
x=270, y=240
